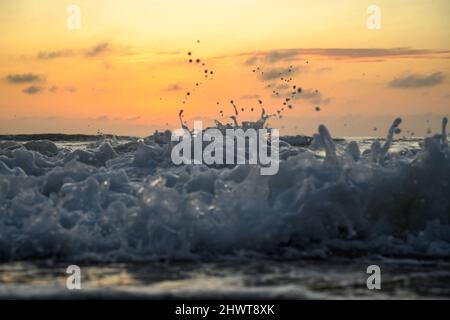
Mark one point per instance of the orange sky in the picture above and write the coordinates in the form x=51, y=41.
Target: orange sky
x=126, y=70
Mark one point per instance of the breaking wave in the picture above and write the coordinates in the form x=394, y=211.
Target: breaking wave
x=124, y=200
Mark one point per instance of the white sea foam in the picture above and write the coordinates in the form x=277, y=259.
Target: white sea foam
x=122, y=200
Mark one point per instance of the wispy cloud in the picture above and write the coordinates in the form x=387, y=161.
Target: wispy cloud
x=105, y=117
x=282, y=86
x=97, y=49
x=251, y=61
x=47, y=55
x=70, y=89
x=23, y=78
x=100, y=118
x=312, y=96
x=374, y=54
x=277, y=73
x=32, y=90
x=417, y=81
x=251, y=97
x=275, y=56
x=173, y=87
x=55, y=89
x=93, y=51
x=370, y=52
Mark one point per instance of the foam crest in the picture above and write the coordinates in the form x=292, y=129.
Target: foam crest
x=125, y=200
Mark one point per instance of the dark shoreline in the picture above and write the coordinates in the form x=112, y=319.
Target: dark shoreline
x=60, y=137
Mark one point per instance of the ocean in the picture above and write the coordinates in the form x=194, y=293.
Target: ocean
x=140, y=227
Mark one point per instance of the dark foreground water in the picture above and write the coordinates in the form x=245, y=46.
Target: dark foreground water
x=342, y=278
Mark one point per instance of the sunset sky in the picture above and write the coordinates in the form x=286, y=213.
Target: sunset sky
x=127, y=70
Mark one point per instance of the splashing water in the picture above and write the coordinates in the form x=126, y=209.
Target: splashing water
x=125, y=200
